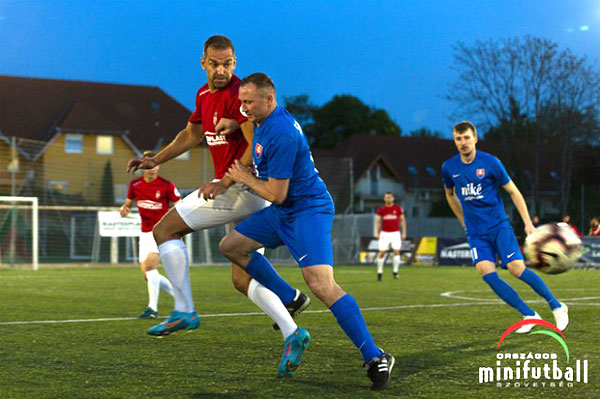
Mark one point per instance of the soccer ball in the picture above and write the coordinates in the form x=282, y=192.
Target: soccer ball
x=553, y=248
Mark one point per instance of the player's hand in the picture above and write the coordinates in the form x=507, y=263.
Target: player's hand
x=377, y=236
x=404, y=236
x=226, y=126
x=210, y=190
x=529, y=228
x=124, y=211
x=239, y=173
x=140, y=163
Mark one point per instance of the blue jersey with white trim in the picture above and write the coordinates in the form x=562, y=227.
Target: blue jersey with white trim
x=280, y=151
x=476, y=186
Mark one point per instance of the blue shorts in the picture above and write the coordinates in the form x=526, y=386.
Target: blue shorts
x=306, y=234
x=501, y=244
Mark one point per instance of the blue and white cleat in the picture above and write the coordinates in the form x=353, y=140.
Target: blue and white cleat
x=177, y=321
x=293, y=348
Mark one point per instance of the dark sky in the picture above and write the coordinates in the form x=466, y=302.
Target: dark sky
x=395, y=55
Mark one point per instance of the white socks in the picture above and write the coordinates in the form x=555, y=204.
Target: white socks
x=157, y=282
x=380, y=262
x=395, y=263
x=272, y=306
x=176, y=263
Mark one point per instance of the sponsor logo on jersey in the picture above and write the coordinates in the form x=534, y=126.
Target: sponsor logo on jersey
x=471, y=191
x=480, y=173
x=213, y=139
x=157, y=194
x=390, y=217
x=149, y=204
x=258, y=150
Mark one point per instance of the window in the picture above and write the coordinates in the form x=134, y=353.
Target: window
x=415, y=211
x=154, y=106
x=104, y=144
x=375, y=175
x=184, y=157
x=73, y=143
x=412, y=170
x=430, y=171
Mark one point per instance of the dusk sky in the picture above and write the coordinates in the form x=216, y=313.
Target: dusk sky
x=395, y=55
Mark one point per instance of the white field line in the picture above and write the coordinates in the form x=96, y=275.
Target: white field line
x=246, y=314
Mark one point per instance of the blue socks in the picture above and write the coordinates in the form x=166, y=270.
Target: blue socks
x=507, y=293
x=262, y=271
x=540, y=287
x=348, y=316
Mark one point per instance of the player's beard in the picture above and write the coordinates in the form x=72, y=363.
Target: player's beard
x=219, y=82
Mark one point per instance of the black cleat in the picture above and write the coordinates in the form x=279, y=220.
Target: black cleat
x=149, y=313
x=379, y=370
x=297, y=306
x=396, y=276
x=379, y=275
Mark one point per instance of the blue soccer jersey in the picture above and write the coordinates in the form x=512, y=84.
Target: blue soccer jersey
x=476, y=185
x=280, y=151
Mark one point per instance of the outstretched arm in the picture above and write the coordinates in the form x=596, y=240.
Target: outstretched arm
x=455, y=205
x=519, y=201
x=126, y=207
x=189, y=137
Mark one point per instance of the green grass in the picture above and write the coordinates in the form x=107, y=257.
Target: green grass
x=438, y=350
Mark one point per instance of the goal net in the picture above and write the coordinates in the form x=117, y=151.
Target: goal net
x=19, y=232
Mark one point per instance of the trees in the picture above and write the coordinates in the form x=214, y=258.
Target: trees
x=338, y=119
x=528, y=93
x=107, y=193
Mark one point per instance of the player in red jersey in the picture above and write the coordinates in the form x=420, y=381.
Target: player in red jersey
x=152, y=194
x=387, y=230
x=218, y=202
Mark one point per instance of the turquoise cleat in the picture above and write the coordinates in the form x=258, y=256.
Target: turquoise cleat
x=177, y=321
x=293, y=348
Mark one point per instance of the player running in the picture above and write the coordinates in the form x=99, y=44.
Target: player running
x=152, y=194
x=471, y=179
x=218, y=202
x=300, y=217
x=388, y=221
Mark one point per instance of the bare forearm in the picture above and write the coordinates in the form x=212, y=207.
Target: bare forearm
x=519, y=201
x=456, y=209
x=263, y=189
x=182, y=142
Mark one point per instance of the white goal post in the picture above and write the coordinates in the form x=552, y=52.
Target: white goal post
x=7, y=202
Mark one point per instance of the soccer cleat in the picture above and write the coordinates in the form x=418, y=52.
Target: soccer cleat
x=395, y=276
x=379, y=370
x=561, y=316
x=528, y=327
x=298, y=305
x=177, y=321
x=379, y=275
x=149, y=313
x=293, y=348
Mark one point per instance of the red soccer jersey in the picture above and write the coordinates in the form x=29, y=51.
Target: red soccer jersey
x=390, y=217
x=210, y=108
x=152, y=199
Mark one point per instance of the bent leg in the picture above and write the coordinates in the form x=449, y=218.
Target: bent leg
x=487, y=270
x=343, y=306
x=517, y=268
x=168, y=233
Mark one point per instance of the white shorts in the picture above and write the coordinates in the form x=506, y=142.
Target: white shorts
x=147, y=245
x=390, y=240
x=236, y=204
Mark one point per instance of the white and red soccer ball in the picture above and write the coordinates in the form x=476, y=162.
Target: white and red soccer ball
x=553, y=248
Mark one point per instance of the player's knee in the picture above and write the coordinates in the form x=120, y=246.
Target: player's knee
x=516, y=268
x=228, y=247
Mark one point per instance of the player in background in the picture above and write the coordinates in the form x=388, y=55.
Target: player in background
x=152, y=194
x=594, y=227
x=300, y=217
x=218, y=202
x=471, y=180
x=388, y=221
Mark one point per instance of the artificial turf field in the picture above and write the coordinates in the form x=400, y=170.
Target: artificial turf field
x=439, y=341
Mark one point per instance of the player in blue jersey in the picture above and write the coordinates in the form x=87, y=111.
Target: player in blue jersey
x=300, y=217
x=471, y=180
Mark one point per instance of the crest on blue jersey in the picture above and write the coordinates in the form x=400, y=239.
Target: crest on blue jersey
x=480, y=173
x=258, y=150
